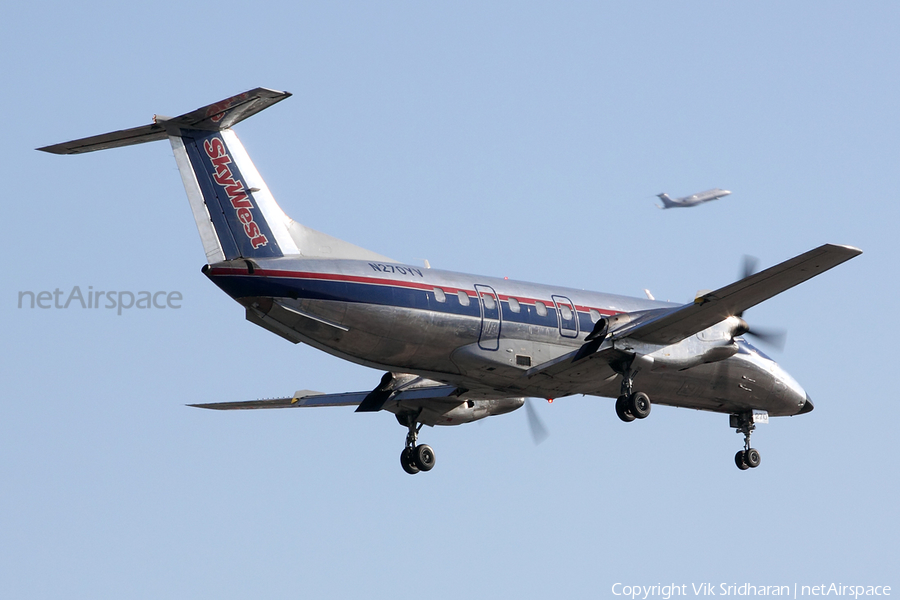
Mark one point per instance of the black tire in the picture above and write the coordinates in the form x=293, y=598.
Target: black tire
x=740, y=462
x=407, y=462
x=639, y=405
x=423, y=457
x=752, y=458
x=622, y=409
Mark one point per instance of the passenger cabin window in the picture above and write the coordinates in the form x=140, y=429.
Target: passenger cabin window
x=488, y=301
x=595, y=316
x=514, y=305
x=439, y=295
x=566, y=312
x=541, y=308
x=463, y=298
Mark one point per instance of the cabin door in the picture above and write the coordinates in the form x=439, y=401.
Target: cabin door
x=489, y=337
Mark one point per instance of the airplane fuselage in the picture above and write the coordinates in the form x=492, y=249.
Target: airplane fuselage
x=694, y=199
x=483, y=332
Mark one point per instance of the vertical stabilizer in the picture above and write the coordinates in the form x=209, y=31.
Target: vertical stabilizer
x=235, y=213
x=229, y=199
x=667, y=202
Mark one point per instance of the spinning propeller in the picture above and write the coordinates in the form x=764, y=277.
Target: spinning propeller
x=539, y=432
x=773, y=337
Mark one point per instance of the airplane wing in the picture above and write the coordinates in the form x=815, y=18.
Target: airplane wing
x=672, y=326
x=559, y=377
x=301, y=398
x=436, y=394
x=591, y=364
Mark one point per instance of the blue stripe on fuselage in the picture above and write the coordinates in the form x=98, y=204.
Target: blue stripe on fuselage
x=242, y=286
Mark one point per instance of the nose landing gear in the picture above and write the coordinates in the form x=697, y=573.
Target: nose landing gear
x=748, y=458
x=415, y=458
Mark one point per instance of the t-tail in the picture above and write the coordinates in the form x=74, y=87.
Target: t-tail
x=667, y=202
x=235, y=213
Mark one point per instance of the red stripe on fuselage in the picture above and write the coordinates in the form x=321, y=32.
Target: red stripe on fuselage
x=390, y=282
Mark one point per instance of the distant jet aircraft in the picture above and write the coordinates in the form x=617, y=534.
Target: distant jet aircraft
x=456, y=348
x=694, y=200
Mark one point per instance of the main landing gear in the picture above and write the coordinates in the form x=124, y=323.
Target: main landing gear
x=415, y=458
x=748, y=458
x=631, y=405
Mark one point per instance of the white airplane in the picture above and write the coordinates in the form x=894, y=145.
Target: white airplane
x=456, y=347
x=693, y=200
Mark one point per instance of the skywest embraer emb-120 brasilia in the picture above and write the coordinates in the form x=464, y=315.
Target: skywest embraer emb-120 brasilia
x=455, y=347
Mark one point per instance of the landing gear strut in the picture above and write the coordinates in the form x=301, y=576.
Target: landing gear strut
x=415, y=458
x=631, y=405
x=748, y=458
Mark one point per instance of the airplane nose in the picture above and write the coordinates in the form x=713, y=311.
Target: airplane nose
x=795, y=398
x=807, y=406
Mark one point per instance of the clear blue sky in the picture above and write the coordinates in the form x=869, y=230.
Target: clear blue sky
x=510, y=139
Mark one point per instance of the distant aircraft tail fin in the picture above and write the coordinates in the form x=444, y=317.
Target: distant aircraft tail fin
x=235, y=213
x=667, y=202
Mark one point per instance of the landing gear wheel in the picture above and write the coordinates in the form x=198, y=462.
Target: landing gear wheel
x=748, y=458
x=622, y=409
x=423, y=457
x=639, y=405
x=407, y=462
x=751, y=457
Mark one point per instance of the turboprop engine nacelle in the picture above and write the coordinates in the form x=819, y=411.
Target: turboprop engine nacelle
x=710, y=345
x=472, y=410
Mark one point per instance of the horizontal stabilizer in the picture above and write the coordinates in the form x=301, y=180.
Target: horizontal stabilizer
x=116, y=139
x=215, y=117
x=672, y=326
